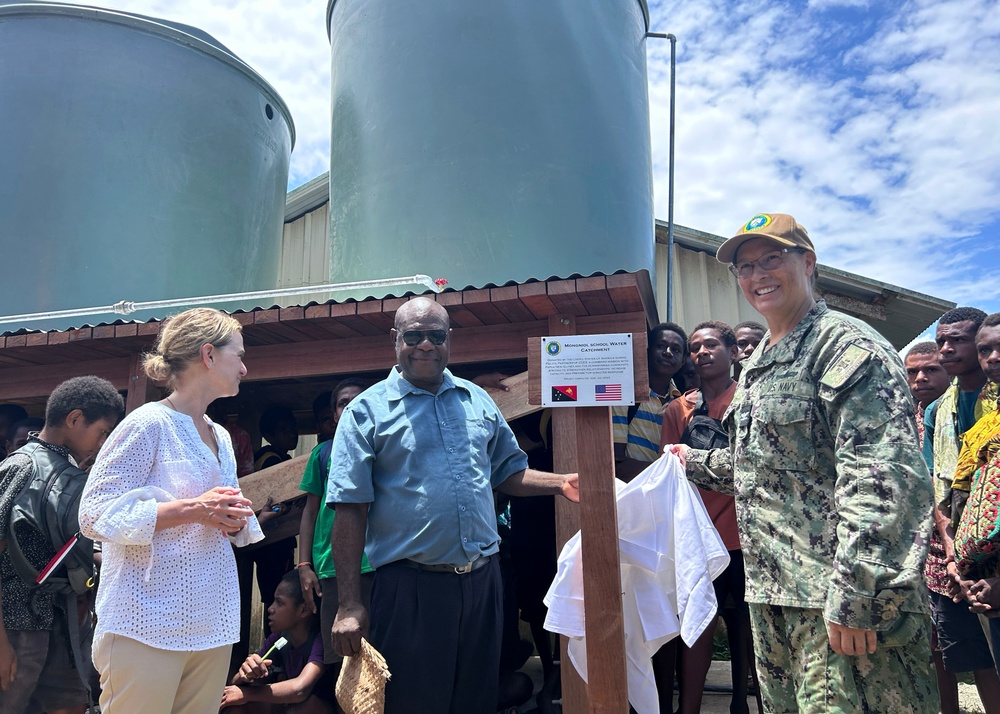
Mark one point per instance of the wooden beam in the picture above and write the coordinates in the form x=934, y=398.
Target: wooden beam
x=514, y=403
x=593, y=293
x=374, y=312
x=564, y=460
x=140, y=388
x=507, y=301
x=279, y=482
x=478, y=301
x=347, y=313
x=40, y=380
x=607, y=686
x=563, y=295
x=535, y=297
x=459, y=314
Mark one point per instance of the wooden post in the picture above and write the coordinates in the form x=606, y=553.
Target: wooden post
x=583, y=443
x=140, y=389
x=602, y=582
x=564, y=460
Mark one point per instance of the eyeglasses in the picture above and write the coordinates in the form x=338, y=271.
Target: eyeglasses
x=415, y=337
x=767, y=262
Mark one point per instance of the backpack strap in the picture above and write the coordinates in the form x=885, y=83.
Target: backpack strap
x=70, y=549
x=325, y=451
x=73, y=627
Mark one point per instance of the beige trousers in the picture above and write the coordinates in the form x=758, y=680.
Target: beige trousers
x=139, y=678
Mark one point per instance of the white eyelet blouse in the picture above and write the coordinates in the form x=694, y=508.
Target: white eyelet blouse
x=174, y=589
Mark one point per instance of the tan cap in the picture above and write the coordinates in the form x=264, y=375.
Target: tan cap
x=779, y=227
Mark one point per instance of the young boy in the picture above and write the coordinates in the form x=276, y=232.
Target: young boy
x=291, y=679
x=36, y=665
x=713, y=347
x=20, y=430
x=316, y=571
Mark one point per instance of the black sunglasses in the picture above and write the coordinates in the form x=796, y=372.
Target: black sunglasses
x=415, y=337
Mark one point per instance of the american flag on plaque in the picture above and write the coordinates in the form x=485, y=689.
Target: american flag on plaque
x=608, y=392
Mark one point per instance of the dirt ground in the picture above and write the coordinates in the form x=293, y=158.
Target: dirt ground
x=718, y=703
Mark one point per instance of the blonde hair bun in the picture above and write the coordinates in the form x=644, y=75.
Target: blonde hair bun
x=181, y=338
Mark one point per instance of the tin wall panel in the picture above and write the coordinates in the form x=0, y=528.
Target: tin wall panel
x=305, y=253
x=704, y=289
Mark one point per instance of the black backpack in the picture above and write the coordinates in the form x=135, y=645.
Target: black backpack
x=703, y=432
x=49, y=504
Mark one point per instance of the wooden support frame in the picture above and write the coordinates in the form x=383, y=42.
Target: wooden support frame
x=140, y=388
x=492, y=325
x=591, y=455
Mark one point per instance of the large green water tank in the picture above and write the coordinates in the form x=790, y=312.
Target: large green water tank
x=489, y=142
x=142, y=160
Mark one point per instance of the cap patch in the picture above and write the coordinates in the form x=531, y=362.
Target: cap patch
x=761, y=220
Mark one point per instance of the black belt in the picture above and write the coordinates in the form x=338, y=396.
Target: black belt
x=444, y=568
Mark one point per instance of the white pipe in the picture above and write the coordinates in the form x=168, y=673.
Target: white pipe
x=125, y=307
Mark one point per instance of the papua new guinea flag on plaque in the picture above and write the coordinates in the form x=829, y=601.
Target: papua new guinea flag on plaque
x=564, y=394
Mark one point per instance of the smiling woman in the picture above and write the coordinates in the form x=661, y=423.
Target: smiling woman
x=824, y=464
x=164, y=500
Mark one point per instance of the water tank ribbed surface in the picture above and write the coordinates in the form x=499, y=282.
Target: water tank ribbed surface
x=142, y=160
x=489, y=142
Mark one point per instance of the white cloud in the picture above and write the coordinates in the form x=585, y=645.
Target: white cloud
x=888, y=152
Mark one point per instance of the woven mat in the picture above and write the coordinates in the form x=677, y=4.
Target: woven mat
x=361, y=684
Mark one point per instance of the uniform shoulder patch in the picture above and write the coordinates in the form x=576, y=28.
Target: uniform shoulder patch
x=844, y=367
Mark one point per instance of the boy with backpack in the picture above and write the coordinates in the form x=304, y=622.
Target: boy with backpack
x=39, y=489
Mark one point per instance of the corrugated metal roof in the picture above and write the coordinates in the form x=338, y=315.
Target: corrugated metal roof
x=705, y=290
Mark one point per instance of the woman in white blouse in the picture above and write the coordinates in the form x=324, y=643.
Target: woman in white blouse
x=164, y=500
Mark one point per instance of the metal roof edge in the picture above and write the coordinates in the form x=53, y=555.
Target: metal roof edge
x=307, y=197
x=829, y=276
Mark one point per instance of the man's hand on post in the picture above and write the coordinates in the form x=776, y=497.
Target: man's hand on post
x=850, y=640
x=571, y=487
x=349, y=626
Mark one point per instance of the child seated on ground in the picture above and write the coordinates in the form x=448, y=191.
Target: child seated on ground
x=291, y=679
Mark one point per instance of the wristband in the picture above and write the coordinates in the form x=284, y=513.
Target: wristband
x=304, y=562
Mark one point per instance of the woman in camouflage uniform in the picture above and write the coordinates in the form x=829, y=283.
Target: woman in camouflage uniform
x=833, y=499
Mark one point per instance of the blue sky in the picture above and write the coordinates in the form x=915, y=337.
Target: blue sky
x=877, y=124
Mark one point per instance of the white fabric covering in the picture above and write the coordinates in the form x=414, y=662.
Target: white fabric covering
x=175, y=589
x=670, y=553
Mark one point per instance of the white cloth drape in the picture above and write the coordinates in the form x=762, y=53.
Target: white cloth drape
x=670, y=553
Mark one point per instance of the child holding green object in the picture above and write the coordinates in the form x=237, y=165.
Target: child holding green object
x=288, y=678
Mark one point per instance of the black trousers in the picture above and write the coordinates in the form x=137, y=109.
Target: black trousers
x=440, y=636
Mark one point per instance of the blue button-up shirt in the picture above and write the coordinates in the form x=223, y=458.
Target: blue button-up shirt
x=427, y=464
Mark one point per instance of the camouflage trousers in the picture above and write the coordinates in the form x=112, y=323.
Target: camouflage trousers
x=798, y=672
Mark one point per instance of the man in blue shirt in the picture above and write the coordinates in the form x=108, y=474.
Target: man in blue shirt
x=415, y=461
